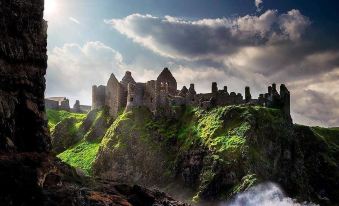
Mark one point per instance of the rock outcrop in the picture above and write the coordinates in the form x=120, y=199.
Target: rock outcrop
x=44, y=180
x=213, y=155
x=23, y=63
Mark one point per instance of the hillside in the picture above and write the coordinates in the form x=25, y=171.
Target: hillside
x=214, y=154
x=76, y=137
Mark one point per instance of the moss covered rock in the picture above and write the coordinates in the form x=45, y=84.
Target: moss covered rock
x=130, y=152
x=76, y=137
x=64, y=127
x=218, y=153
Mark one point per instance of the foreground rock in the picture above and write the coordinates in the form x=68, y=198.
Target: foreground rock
x=23, y=63
x=40, y=179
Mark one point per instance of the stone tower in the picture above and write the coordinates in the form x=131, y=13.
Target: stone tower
x=248, y=95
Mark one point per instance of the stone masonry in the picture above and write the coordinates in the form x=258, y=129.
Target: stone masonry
x=161, y=95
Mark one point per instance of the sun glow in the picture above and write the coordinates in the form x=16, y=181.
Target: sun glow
x=50, y=8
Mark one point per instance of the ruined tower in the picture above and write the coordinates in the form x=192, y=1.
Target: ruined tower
x=248, y=95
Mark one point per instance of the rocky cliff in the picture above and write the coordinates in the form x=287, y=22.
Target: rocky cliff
x=210, y=156
x=23, y=63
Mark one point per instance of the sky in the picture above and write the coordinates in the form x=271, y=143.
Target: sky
x=236, y=43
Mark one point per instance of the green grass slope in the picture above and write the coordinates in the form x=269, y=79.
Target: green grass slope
x=56, y=116
x=90, y=131
x=81, y=155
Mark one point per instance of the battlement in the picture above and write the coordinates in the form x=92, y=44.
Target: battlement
x=161, y=95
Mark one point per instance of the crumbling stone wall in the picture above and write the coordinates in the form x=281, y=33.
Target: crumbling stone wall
x=160, y=95
x=98, y=96
x=23, y=63
x=116, y=93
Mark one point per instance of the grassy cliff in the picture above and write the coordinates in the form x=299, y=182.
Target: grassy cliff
x=56, y=116
x=212, y=154
x=78, y=136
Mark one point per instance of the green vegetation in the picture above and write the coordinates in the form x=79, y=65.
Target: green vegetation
x=82, y=155
x=56, y=116
x=331, y=137
x=246, y=182
x=112, y=129
x=229, y=148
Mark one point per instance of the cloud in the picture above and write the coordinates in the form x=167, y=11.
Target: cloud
x=74, y=20
x=317, y=99
x=73, y=69
x=258, y=4
x=180, y=38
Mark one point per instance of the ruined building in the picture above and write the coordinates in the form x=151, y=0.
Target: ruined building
x=161, y=95
x=62, y=103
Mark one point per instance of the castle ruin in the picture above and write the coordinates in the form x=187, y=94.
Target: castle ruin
x=160, y=95
x=62, y=103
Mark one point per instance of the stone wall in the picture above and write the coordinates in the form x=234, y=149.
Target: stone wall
x=98, y=96
x=113, y=95
x=23, y=63
x=51, y=104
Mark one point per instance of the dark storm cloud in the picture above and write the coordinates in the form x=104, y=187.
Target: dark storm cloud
x=324, y=107
x=175, y=37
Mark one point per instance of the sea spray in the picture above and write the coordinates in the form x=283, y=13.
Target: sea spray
x=266, y=194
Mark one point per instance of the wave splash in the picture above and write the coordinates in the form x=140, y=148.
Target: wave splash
x=266, y=194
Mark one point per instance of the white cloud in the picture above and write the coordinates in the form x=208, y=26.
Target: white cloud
x=293, y=24
x=73, y=69
x=74, y=20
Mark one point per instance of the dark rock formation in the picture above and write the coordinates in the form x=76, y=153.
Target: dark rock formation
x=44, y=180
x=22, y=84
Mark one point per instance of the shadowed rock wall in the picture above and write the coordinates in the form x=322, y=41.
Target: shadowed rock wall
x=23, y=63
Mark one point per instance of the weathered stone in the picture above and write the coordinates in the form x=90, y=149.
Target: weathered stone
x=159, y=95
x=76, y=106
x=23, y=63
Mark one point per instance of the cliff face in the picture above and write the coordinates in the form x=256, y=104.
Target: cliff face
x=23, y=63
x=213, y=155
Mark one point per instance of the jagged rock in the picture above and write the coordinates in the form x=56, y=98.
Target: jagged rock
x=65, y=135
x=41, y=179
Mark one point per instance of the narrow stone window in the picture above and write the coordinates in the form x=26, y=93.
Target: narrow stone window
x=131, y=99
